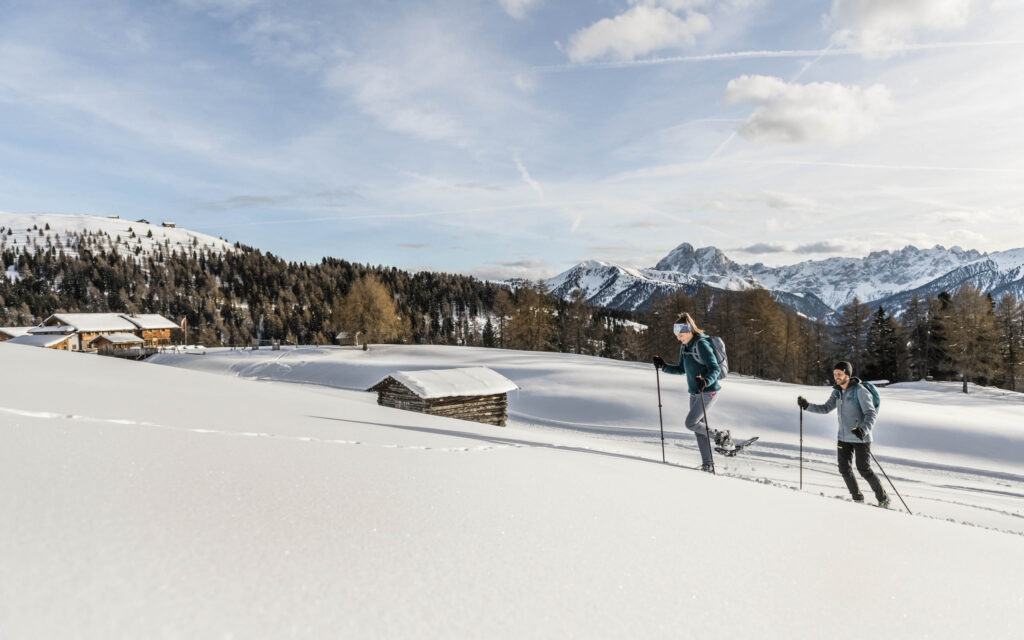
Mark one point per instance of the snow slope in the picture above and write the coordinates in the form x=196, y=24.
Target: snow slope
x=158, y=501
x=142, y=236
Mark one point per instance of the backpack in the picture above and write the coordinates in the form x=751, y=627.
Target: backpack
x=875, y=399
x=718, y=347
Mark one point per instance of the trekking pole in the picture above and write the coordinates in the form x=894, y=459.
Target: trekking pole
x=801, y=448
x=707, y=431
x=890, y=483
x=661, y=423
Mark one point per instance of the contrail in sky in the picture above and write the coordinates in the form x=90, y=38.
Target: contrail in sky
x=886, y=167
x=793, y=53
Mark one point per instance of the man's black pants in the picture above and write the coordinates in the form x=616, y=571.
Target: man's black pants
x=863, y=452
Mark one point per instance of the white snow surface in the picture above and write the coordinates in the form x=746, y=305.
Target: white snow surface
x=147, y=238
x=217, y=498
x=461, y=381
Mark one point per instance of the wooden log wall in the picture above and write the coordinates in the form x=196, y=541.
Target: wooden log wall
x=491, y=409
x=486, y=409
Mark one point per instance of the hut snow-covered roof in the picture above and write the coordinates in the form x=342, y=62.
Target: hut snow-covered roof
x=14, y=332
x=39, y=340
x=51, y=329
x=446, y=383
x=151, y=321
x=91, y=322
x=106, y=322
x=118, y=338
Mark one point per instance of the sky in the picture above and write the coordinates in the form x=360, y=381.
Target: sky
x=516, y=138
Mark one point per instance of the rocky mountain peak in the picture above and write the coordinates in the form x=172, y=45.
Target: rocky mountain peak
x=704, y=261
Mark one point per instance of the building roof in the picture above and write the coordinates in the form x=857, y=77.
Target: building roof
x=92, y=321
x=14, y=332
x=41, y=340
x=89, y=322
x=118, y=338
x=51, y=329
x=446, y=383
x=151, y=321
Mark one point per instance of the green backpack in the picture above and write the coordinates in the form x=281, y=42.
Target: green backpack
x=874, y=393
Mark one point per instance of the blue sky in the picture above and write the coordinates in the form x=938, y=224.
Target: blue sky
x=509, y=138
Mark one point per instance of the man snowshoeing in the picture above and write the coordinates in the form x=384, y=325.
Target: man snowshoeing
x=857, y=416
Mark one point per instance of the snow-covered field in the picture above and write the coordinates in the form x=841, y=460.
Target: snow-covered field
x=176, y=501
x=21, y=231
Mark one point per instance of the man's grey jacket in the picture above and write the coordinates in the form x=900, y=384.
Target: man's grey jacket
x=856, y=409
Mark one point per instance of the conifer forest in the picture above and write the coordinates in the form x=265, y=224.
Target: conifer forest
x=236, y=297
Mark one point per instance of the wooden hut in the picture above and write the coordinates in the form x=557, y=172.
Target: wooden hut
x=349, y=338
x=473, y=393
x=154, y=330
x=116, y=342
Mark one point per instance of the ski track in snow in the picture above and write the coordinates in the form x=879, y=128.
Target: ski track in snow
x=46, y=415
x=765, y=460
x=765, y=463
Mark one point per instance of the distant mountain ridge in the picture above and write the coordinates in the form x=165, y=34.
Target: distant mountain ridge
x=815, y=288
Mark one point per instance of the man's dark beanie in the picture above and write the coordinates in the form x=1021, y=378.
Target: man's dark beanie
x=845, y=367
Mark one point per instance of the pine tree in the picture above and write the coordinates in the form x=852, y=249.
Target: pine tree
x=886, y=352
x=532, y=325
x=852, y=332
x=1010, y=324
x=972, y=335
x=574, y=319
x=369, y=309
x=659, y=318
x=759, y=342
x=503, y=308
x=916, y=326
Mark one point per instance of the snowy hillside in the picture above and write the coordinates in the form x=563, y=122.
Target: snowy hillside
x=35, y=231
x=814, y=288
x=187, y=504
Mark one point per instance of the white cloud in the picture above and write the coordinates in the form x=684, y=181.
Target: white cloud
x=417, y=78
x=399, y=97
x=518, y=8
x=822, y=112
x=671, y=5
x=877, y=25
x=639, y=31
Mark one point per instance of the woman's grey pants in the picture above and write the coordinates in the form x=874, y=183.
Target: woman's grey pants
x=695, y=422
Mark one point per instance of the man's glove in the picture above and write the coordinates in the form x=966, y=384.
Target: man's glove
x=700, y=384
x=658, y=362
x=802, y=401
x=857, y=431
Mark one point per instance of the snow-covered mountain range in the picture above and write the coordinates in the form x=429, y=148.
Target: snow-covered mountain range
x=816, y=288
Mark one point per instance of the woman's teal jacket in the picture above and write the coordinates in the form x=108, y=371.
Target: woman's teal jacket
x=688, y=364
